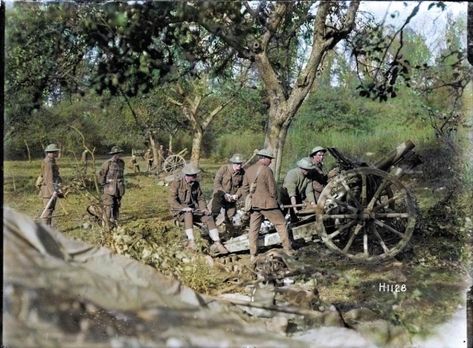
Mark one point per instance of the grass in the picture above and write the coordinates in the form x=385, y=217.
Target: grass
x=147, y=233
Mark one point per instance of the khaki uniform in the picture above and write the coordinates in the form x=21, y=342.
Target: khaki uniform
x=296, y=185
x=160, y=158
x=149, y=159
x=188, y=195
x=230, y=182
x=111, y=177
x=264, y=204
x=319, y=180
x=49, y=184
x=134, y=164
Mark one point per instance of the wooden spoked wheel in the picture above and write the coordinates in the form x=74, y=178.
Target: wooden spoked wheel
x=366, y=214
x=173, y=163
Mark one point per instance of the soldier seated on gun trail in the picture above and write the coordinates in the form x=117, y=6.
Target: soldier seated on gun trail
x=228, y=189
x=297, y=187
x=188, y=205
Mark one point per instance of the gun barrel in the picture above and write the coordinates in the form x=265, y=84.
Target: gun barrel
x=394, y=156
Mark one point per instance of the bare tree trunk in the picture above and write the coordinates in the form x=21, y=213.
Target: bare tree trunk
x=196, y=146
x=170, y=144
x=28, y=151
x=280, y=118
x=274, y=141
x=154, y=148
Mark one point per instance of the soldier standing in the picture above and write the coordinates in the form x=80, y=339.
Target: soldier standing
x=49, y=183
x=160, y=157
x=317, y=175
x=228, y=188
x=149, y=159
x=297, y=187
x=134, y=164
x=259, y=183
x=188, y=205
x=111, y=178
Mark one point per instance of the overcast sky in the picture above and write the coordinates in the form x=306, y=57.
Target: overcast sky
x=429, y=23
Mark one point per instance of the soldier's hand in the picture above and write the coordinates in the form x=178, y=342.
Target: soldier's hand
x=206, y=212
x=334, y=172
x=235, y=198
x=187, y=210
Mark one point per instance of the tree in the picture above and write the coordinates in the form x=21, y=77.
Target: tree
x=263, y=33
x=200, y=104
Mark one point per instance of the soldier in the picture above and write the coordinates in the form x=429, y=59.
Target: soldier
x=111, y=178
x=149, y=159
x=317, y=175
x=160, y=157
x=259, y=183
x=134, y=164
x=49, y=183
x=297, y=187
x=228, y=188
x=188, y=205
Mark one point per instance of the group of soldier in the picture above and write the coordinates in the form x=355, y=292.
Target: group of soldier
x=232, y=182
x=256, y=185
x=149, y=158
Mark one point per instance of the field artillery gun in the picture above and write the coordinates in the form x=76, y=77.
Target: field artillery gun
x=364, y=212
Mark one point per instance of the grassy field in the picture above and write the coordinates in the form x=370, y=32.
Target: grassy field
x=433, y=266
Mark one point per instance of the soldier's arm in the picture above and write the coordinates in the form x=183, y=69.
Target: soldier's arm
x=103, y=173
x=271, y=183
x=174, y=197
x=290, y=183
x=218, y=180
x=240, y=192
x=309, y=192
x=48, y=173
x=201, y=200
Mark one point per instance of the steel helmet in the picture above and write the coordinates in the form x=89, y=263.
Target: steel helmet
x=237, y=158
x=265, y=153
x=114, y=150
x=305, y=163
x=51, y=148
x=190, y=169
x=317, y=149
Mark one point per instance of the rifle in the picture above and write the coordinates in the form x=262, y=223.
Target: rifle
x=48, y=205
x=193, y=211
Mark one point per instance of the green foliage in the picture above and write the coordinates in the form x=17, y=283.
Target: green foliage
x=244, y=142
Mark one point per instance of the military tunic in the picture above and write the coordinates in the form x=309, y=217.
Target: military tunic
x=264, y=205
x=296, y=184
x=227, y=181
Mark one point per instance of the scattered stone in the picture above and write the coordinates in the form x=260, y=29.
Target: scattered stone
x=357, y=315
x=334, y=337
x=384, y=334
x=278, y=324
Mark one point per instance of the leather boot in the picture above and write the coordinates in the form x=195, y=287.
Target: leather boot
x=191, y=245
x=220, y=248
